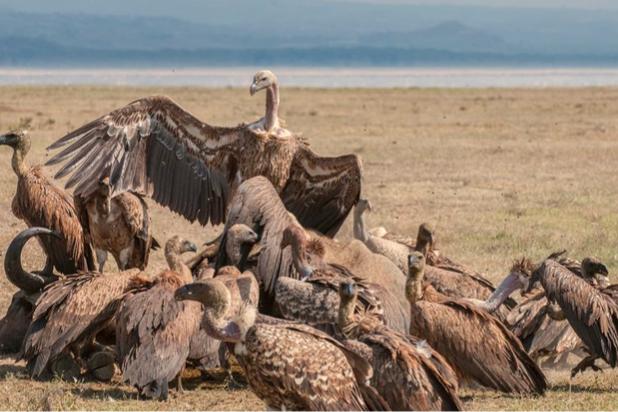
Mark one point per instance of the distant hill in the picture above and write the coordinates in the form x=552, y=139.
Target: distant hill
x=303, y=32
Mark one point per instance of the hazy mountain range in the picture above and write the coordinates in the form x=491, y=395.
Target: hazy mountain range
x=301, y=32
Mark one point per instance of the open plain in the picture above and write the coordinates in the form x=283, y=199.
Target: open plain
x=500, y=173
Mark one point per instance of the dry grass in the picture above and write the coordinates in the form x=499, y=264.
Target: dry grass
x=499, y=173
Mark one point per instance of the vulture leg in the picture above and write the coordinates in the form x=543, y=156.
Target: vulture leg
x=164, y=390
x=587, y=362
x=230, y=382
x=179, y=387
x=101, y=258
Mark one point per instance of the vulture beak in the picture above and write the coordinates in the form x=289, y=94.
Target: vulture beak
x=186, y=292
x=253, y=89
x=190, y=247
x=252, y=237
x=602, y=280
x=348, y=288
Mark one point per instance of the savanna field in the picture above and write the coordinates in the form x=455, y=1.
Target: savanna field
x=500, y=173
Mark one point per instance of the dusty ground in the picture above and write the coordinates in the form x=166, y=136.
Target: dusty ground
x=499, y=173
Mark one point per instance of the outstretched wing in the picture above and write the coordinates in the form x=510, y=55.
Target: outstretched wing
x=257, y=205
x=154, y=147
x=321, y=191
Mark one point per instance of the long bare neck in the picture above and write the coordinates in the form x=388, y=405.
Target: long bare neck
x=18, y=162
x=272, y=107
x=422, y=245
x=177, y=265
x=414, y=289
x=360, y=232
x=232, y=248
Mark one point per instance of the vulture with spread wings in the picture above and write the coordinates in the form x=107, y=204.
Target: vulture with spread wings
x=154, y=147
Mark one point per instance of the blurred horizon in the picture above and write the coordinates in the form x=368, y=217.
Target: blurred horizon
x=306, y=33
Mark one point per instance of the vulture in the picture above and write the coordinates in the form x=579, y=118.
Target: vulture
x=257, y=205
x=69, y=314
x=38, y=202
x=154, y=147
x=478, y=346
x=407, y=372
x=154, y=331
x=591, y=312
x=315, y=299
x=14, y=324
x=120, y=225
x=206, y=352
x=279, y=357
x=446, y=276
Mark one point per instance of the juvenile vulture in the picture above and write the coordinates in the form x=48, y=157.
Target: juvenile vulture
x=591, y=312
x=154, y=331
x=478, y=346
x=448, y=277
x=119, y=224
x=153, y=146
x=71, y=311
x=257, y=205
x=38, y=202
x=288, y=365
x=14, y=324
x=407, y=372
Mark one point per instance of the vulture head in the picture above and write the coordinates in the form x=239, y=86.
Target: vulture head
x=177, y=245
x=595, y=271
x=104, y=190
x=295, y=237
x=416, y=275
x=216, y=299
x=348, y=293
x=424, y=238
x=518, y=278
x=239, y=240
x=363, y=205
x=262, y=80
x=19, y=141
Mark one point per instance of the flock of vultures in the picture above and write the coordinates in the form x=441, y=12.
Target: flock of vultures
x=382, y=322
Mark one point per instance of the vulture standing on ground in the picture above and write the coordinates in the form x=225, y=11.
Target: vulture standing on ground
x=407, y=372
x=446, y=276
x=14, y=324
x=154, y=331
x=155, y=147
x=120, y=225
x=591, y=312
x=69, y=314
x=38, y=202
x=476, y=344
x=284, y=362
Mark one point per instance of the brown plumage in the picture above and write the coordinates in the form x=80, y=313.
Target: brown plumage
x=476, y=344
x=71, y=311
x=120, y=224
x=38, y=202
x=407, y=372
x=154, y=331
x=155, y=147
x=288, y=365
x=591, y=312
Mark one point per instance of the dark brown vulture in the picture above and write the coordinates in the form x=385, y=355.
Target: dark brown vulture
x=38, y=202
x=257, y=205
x=120, y=225
x=14, y=324
x=70, y=313
x=478, y=346
x=154, y=331
x=591, y=312
x=155, y=147
x=446, y=276
x=407, y=372
x=288, y=365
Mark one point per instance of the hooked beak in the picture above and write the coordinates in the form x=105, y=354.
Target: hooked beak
x=7, y=139
x=603, y=281
x=253, y=237
x=253, y=89
x=183, y=293
x=190, y=247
